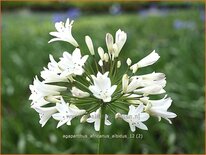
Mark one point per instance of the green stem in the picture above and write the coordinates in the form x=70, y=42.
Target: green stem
x=101, y=131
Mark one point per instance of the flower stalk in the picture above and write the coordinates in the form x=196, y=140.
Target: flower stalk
x=101, y=131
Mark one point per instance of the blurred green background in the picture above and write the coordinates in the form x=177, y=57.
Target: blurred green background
x=174, y=29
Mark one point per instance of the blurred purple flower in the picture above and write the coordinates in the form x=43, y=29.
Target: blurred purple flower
x=58, y=17
x=70, y=13
x=153, y=11
x=115, y=9
x=73, y=13
x=179, y=24
x=202, y=15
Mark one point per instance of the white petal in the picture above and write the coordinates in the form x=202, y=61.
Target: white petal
x=90, y=120
x=144, y=117
x=97, y=125
x=141, y=126
x=61, y=123
x=132, y=127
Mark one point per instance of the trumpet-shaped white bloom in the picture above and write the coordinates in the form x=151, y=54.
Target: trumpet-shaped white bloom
x=72, y=64
x=146, y=61
x=150, y=90
x=79, y=93
x=89, y=43
x=135, y=117
x=152, y=76
x=95, y=118
x=45, y=114
x=64, y=33
x=145, y=84
x=102, y=88
x=66, y=113
x=115, y=48
x=43, y=93
x=53, y=73
x=159, y=108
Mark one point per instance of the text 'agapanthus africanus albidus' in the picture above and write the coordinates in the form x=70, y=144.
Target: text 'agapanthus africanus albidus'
x=94, y=87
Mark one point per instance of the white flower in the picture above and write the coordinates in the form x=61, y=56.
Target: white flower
x=45, y=114
x=95, y=118
x=43, y=93
x=89, y=43
x=159, y=108
x=102, y=88
x=72, y=64
x=134, y=83
x=144, y=82
x=146, y=61
x=152, y=89
x=66, y=113
x=53, y=73
x=135, y=117
x=151, y=76
x=64, y=33
x=115, y=48
x=79, y=93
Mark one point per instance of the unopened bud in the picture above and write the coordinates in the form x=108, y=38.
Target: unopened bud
x=125, y=82
x=89, y=43
x=100, y=63
x=118, y=64
x=83, y=118
x=101, y=53
x=134, y=68
x=118, y=115
x=106, y=57
x=129, y=61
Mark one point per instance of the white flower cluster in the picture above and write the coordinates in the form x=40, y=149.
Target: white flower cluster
x=79, y=85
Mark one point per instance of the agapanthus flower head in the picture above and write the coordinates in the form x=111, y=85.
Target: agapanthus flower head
x=92, y=88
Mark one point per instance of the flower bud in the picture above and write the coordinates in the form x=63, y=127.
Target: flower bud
x=118, y=115
x=118, y=64
x=101, y=53
x=106, y=57
x=89, y=43
x=109, y=42
x=83, y=118
x=129, y=61
x=134, y=68
x=148, y=60
x=88, y=79
x=100, y=63
x=125, y=82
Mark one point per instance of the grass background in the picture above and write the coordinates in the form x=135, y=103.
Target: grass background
x=25, y=51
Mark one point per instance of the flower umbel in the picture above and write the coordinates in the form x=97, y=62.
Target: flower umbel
x=93, y=87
